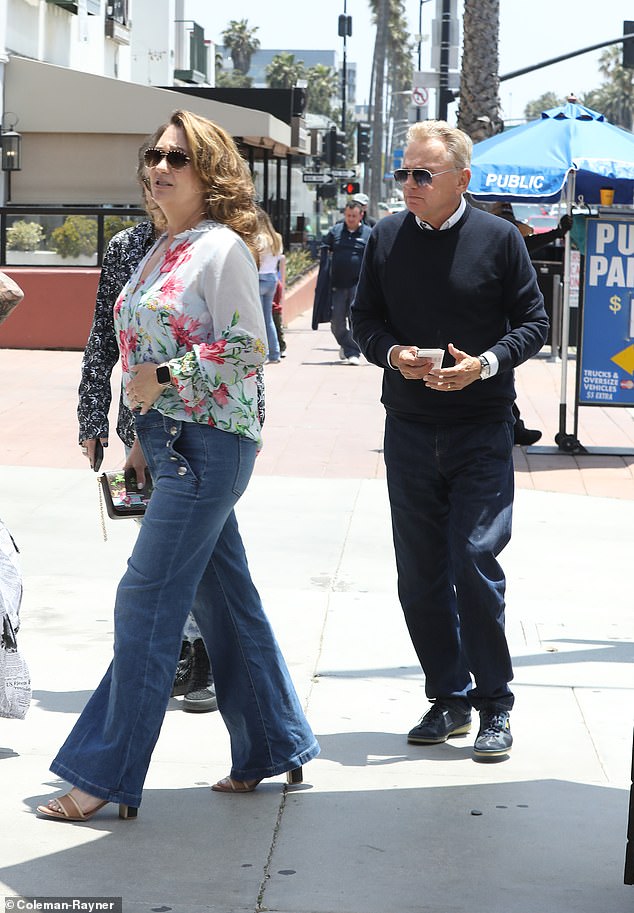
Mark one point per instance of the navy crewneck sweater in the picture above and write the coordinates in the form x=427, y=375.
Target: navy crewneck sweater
x=472, y=285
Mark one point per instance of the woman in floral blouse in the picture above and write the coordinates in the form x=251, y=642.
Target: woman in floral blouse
x=190, y=332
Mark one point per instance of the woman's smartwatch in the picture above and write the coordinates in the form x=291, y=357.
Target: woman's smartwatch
x=164, y=375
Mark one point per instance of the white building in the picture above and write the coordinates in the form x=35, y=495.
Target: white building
x=80, y=81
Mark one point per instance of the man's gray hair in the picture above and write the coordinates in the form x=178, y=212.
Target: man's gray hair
x=457, y=143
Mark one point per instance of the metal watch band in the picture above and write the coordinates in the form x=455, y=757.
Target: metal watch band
x=485, y=370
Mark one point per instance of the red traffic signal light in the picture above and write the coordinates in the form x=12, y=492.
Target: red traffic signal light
x=350, y=187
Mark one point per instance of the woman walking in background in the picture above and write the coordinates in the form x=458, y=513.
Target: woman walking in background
x=270, y=250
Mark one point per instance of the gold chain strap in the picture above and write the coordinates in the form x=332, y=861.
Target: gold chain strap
x=101, y=512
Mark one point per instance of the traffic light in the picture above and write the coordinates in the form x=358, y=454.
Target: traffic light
x=326, y=191
x=344, y=26
x=628, y=46
x=349, y=187
x=340, y=148
x=329, y=150
x=363, y=142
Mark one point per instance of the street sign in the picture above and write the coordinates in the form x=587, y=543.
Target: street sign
x=431, y=79
x=420, y=96
x=343, y=173
x=317, y=177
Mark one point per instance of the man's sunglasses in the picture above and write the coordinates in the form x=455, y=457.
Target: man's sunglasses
x=422, y=176
x=174, y=157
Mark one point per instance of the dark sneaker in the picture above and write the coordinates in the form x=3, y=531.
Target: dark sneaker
x=201, y=694
x=184, y=669
x=201, y=701
x=494, y=738
x=440, y=723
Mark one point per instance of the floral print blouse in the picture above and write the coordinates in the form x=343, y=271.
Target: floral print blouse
x=199, y=310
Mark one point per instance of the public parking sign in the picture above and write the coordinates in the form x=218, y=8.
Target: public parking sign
x=607, y=345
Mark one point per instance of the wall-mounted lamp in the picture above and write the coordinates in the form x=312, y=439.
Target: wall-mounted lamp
x=11, y=142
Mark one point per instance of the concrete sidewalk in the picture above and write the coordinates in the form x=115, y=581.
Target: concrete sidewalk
x=380, y=826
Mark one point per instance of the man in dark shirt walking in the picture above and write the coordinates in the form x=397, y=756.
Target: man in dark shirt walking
x=346, y=243
x=445, y=275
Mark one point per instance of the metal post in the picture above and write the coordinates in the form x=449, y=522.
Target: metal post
x=420, y=43
x=555, y=333
x=344, y=72
x=566, y=442
x=443, y=77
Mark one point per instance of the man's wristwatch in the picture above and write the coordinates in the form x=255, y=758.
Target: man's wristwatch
x=485, y=368
x=163, y=375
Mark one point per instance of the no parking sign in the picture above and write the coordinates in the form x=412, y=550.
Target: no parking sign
x=420, y=96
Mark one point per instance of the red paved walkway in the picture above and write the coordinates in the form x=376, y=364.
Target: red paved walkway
x=324, y=419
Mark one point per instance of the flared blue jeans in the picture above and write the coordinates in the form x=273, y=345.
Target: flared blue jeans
x=188, y=556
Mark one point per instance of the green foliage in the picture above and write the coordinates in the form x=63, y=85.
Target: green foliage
x=24, y=235
x=114, y=224
x=284, y=71
x=545, y=102
x=323, y=84
x=242, y=43
x=615, y=97
x=78, y=235
x=297, y=262
x=233, y=79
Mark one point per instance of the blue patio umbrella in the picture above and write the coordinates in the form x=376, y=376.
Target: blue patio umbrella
x=570, y=148
x=569, y=154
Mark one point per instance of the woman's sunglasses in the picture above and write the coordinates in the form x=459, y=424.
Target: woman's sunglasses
x=422, y=176
x=174, y=157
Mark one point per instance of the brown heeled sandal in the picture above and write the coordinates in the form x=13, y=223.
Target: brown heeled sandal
x=69, y=809
x=229, y=785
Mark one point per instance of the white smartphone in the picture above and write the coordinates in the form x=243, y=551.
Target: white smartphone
x=434, y=355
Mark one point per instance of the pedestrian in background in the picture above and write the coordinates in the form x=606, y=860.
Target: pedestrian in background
x=444, y=275
x=364, y=201
x=522, y=435
x=278, y=299
x=270, y=250
x=340, y=263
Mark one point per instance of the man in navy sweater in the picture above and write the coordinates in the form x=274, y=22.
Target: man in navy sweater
x=443, y=274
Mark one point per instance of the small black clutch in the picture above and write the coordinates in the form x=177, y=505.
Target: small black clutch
x=121, y=495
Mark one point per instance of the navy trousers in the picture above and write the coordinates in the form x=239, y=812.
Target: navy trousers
x=451, y=498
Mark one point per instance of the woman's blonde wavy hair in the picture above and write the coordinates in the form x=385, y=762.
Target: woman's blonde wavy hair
x=224, y=173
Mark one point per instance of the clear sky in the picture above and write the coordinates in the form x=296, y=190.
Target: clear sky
x=529, y=33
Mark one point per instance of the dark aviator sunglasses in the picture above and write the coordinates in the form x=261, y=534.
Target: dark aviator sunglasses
x=175, y=158
x=422, y=176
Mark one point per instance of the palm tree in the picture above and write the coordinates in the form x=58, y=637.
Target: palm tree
x=391, y=75
x=533, y=109
x=323, y=84
x=479, y=111
x=615, y=97
x=284, y=71
x=242, y=43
